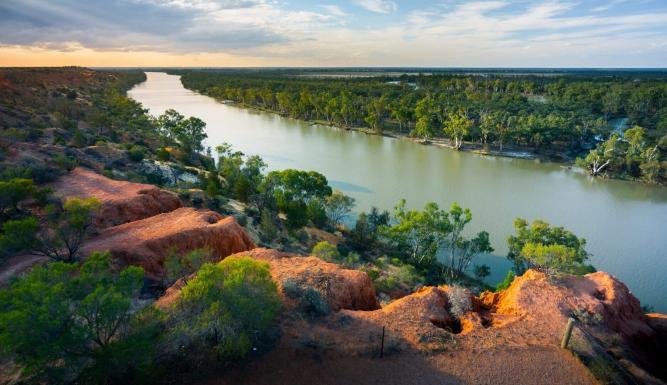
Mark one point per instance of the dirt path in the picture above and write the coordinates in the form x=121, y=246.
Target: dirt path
x=500, y=366
x=17, y=265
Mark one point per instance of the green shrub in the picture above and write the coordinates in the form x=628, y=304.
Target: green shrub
x=386, y=283
x=506, y=282
x=178, y=266
x=59, y=318
x=267, y=226
x=162, y=154
x=223, y=312
x=136, y=154
x=18, y=235
x=241, y=218
x=326, y=251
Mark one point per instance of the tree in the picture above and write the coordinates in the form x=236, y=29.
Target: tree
x=18, y=235
x=457, y=126
x=189, y=133
x=66, y=229
x=481, y=271
x=59, y=316
x=364, y=235
x=545, y=247
x=14, y=191
x=223, y=312
x=463, y=250
x=419, y=233
x=267, y=226
x=635, y=137
x=338, y=206
x=293, y=190
x=423, y=128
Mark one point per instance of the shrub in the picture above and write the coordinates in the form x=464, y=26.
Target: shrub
x=241, y=218
x=481, y=271
x=162, y=154
x=18, y=235
x=14, y=191
x=386, y=283
x=506, y=282
x=326, y=251
x=223, y=311
x=136, y=154
x=59, y=318
x=64, y=162
x=178, y=266
x=459, y=301
x=67, y=229
x=311, y=301
x=267, y=226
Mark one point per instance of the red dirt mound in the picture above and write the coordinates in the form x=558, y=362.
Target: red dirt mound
x=122, y=201
x=147, y=242
x=341, y=288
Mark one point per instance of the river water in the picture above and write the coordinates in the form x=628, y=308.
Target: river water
x=624, y=223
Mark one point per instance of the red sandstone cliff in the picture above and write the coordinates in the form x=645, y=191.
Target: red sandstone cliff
x=121, y=201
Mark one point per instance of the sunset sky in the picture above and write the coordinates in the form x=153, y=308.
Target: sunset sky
x=524, y=33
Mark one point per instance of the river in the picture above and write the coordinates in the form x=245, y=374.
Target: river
x=624, y=223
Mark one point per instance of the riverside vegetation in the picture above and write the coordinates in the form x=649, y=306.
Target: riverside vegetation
x=79, y=319
x=562, y=117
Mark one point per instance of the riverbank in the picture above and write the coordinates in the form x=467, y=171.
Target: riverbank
x=507, y=151
x=562, y=159
x=442, y=142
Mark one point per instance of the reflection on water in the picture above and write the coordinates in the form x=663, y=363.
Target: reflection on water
x=623, y=222
x=348, y=187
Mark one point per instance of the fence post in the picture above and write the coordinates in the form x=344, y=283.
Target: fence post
x=568, y=333
x=382, y=344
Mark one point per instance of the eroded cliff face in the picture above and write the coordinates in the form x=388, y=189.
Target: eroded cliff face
x=140, y=224
x=149, y=241
x=122, y=201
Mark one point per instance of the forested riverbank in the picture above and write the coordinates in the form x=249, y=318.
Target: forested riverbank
x=559, y=118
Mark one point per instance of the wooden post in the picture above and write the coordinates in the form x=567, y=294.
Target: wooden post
x=568, y=333
x=382, y=344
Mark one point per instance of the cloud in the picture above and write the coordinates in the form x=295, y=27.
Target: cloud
x=334, y=10
x=378, y=6
x=455, y=33
x=160, y=25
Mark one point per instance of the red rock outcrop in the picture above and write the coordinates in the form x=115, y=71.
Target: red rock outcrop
x=341, y=288
x=147, y=242
x=122, y=201
x=533, y=296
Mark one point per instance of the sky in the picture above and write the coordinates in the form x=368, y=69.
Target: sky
x=373, y=33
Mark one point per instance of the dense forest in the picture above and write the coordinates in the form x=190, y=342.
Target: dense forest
x=560, y=117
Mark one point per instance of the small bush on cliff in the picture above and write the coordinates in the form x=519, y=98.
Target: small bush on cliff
x=506, y=282
x=311, y=302
x=459, y=301
x=223, y=312
x=61, y=318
